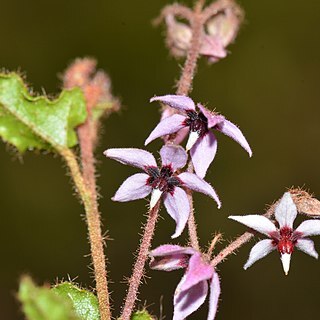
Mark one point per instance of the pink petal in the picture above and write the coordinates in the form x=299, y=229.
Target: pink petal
x=198, y=271
x=182, y=103
x=166, y=126
x=259, y=251
x=134, y=157
x=170, y=257
x=203, y=153
x=171, y=249
x=214, y=296
x=256, y=222
x=135, y=187
x=286, y=211
x=232, y=131
x=178, y=208
x=213, y=119
x=186, y=302
x=174, y=156
x=195, y=183
x=307, y=246
x=309, y=228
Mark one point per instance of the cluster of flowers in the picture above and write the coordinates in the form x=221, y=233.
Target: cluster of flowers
x=169, y=182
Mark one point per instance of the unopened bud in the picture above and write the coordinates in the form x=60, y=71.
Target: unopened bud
x=178, y=36
x=225, y=25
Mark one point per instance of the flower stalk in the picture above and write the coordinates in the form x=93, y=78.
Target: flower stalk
x=94, y=230
x=138, y=269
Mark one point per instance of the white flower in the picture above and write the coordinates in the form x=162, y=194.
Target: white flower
x=284, y=238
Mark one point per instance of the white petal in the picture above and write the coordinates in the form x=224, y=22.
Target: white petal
x=256, y=222
x=286, y=211
x=259, y=251
x=285, y=259
x=155, y=196
x=307, y=246
x=309, y=228
x=193, y=137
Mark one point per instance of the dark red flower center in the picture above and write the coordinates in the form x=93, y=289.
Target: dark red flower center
x=163, y=179
x=197, y=122
x=285, y=239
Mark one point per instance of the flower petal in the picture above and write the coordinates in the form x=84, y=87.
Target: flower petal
x=186, y=302
x=177, y=205
x=134, y=157
x=307, y=246
x=286, y=211
x=256, y=222
x=174, y=156
x=193, y=137
x=309, y=228
x=170, y=257
x=259, y=251
x=195, y=183
x=285, y=259
x=213, y=119
x=134, y=187
x=155, y=196
x=166, y=126
x=214, y=296
x=197, y=271
x=203, y=153
x=171, y=249
x=182, y=103
x=232, y=131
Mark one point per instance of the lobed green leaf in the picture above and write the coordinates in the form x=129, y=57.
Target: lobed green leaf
x=29, y=122
x=84, y=302
x=40, y=303
x=142, y=315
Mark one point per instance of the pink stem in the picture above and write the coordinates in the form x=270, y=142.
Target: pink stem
x=138, y=269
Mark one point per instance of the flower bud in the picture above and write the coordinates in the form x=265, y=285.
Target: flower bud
x=178, y=36
x=225, y=25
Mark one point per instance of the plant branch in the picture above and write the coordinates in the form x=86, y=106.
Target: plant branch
x=185, y=82
x=94, y=229
x=138, y=269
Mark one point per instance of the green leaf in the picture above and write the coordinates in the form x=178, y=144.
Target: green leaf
x=29, y=122
x=142, y=315
x=40, y=303
x=84, y=302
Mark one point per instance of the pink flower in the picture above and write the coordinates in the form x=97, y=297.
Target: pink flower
x=192, y=290
x=202, y=142
x=162, y=182
x=284, y=238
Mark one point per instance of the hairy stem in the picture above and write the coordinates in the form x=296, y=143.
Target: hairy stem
x=184, y=87
x=185, y=82
x=192, y=226
x=94, y=230
x=138, y=269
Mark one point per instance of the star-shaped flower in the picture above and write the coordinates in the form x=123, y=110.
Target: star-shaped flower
x=284, y=238
x=202, y=142
x=162, y=182
x=192, y=290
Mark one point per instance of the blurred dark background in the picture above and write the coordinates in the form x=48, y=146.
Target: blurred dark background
x=268, y=85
